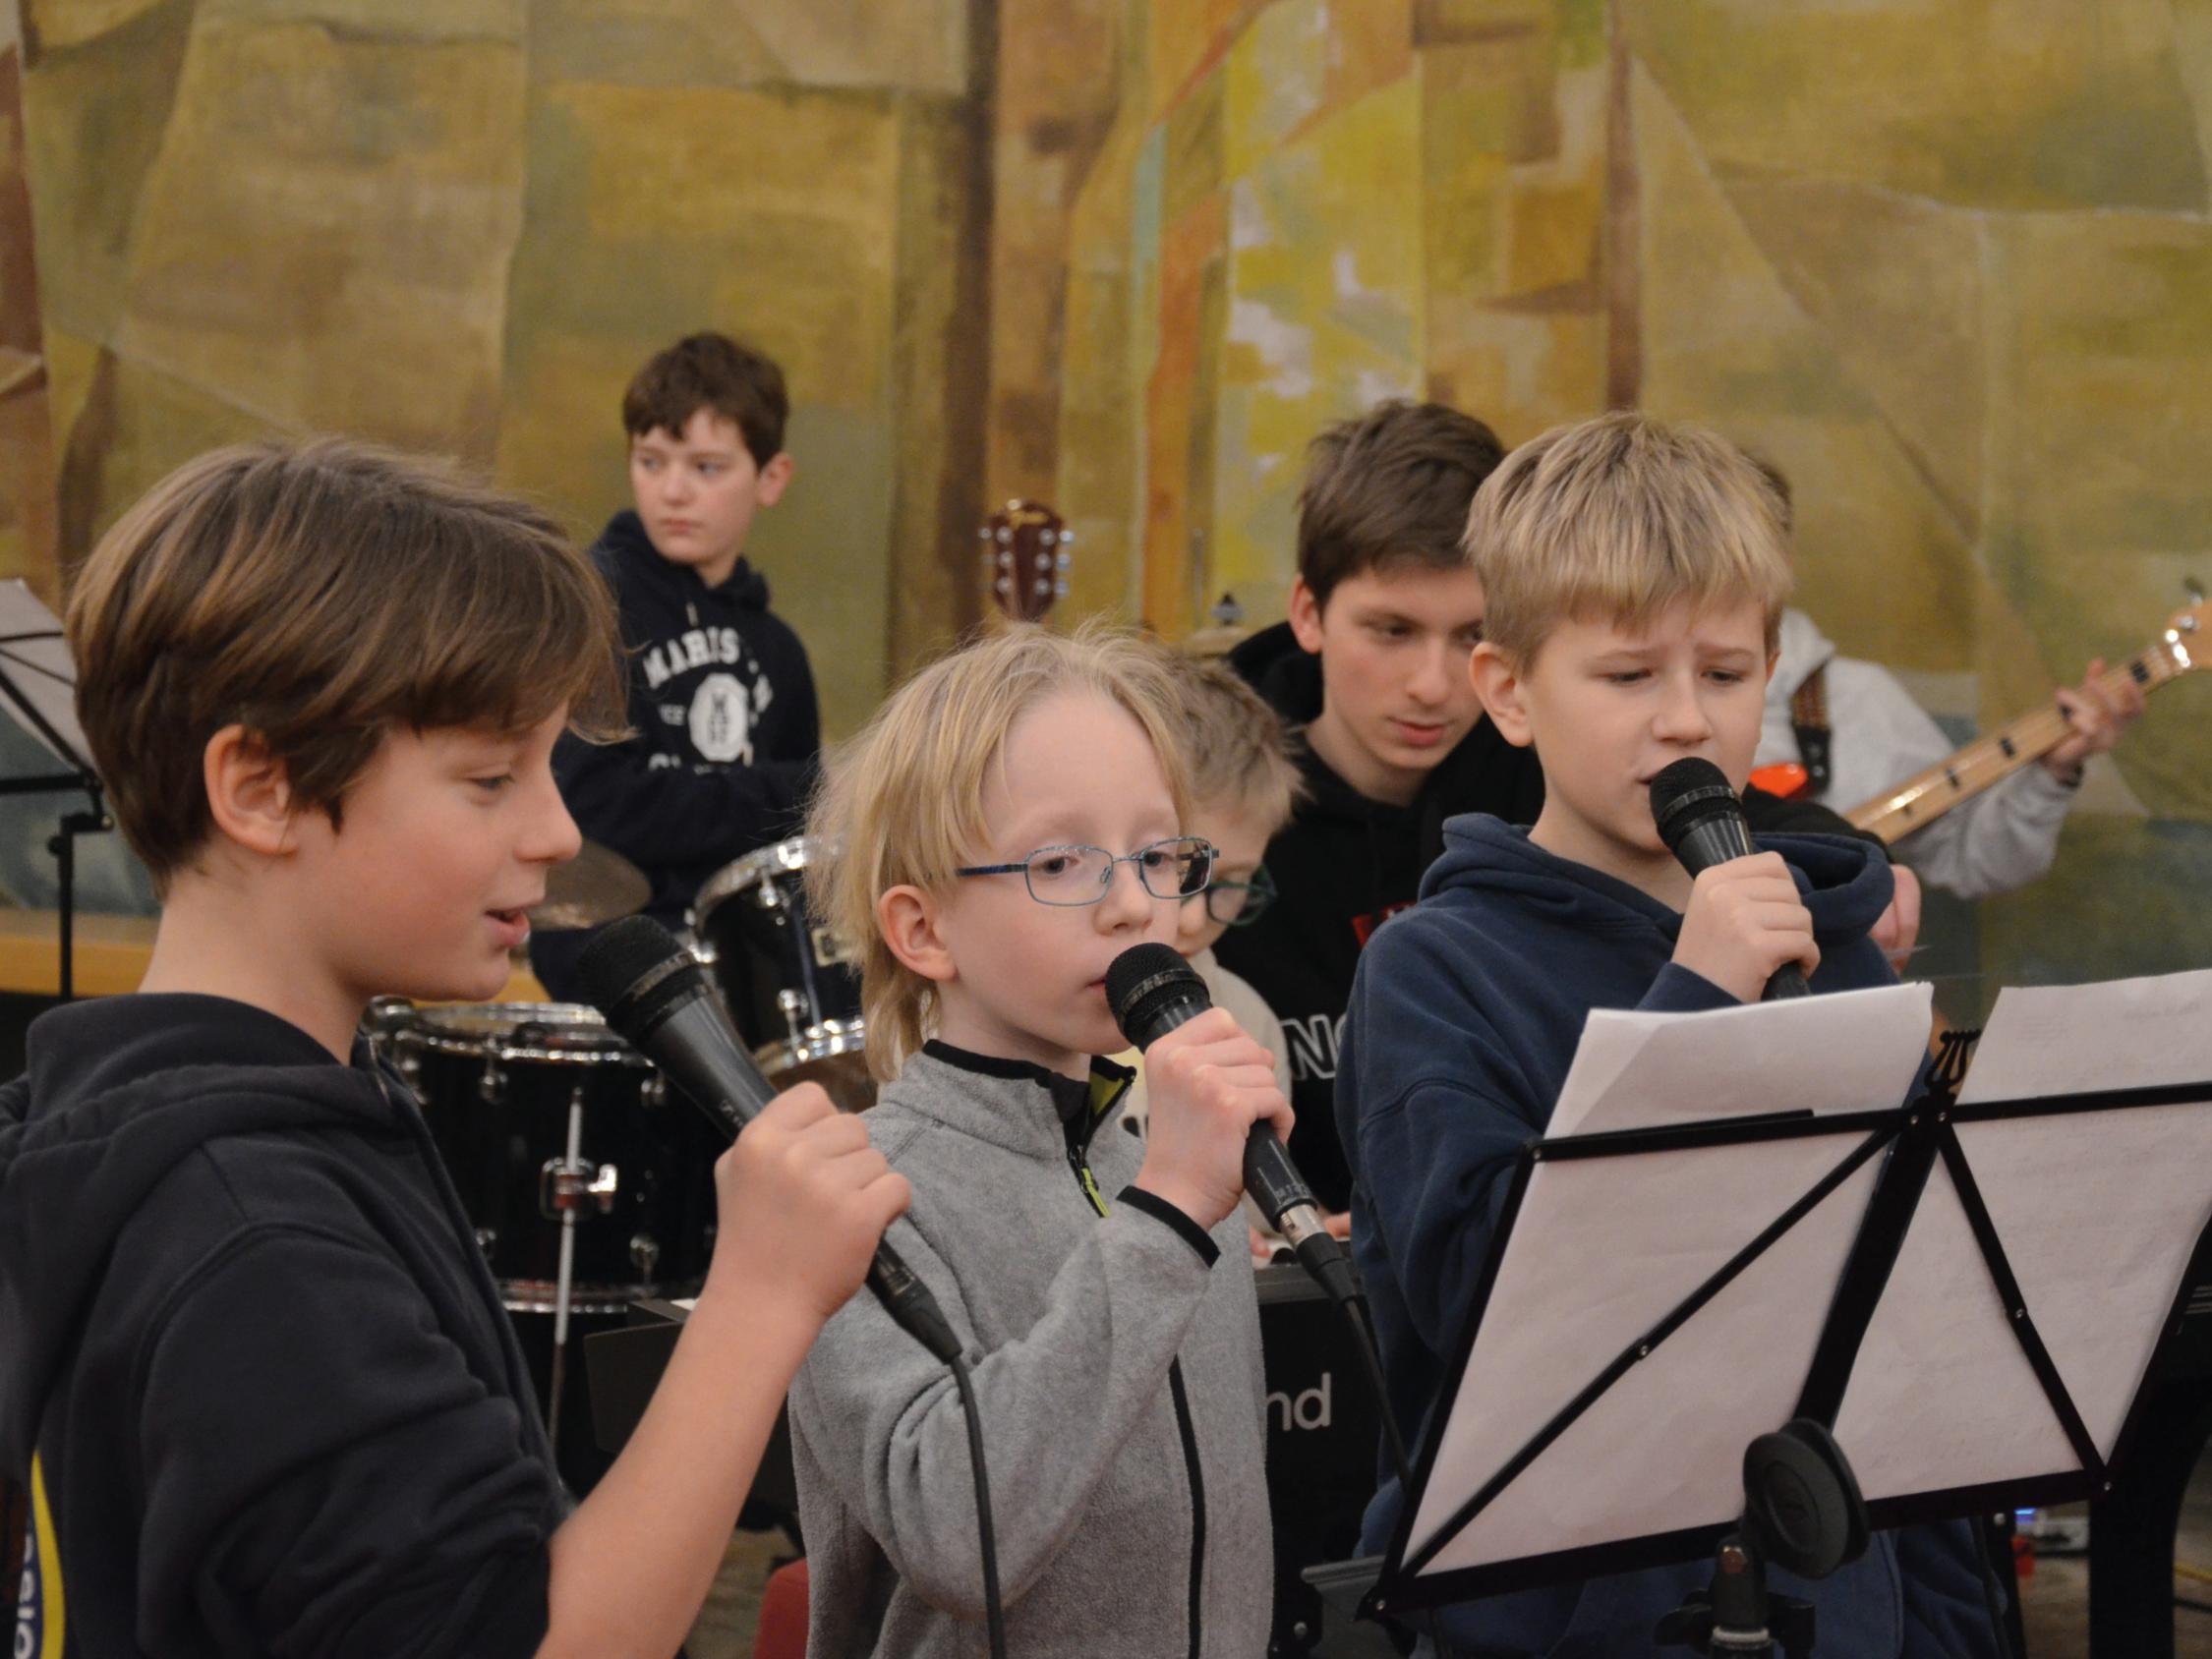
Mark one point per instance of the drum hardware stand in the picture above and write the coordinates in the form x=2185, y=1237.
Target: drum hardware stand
x=567, y=1183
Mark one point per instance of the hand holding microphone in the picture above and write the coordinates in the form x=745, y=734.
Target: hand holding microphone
x=1209, y=1084
x=1746, y=929
x=802, y=1198
x=1201, y=1067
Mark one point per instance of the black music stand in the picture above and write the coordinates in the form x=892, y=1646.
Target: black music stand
x=1951, y=1287
x=38, y=687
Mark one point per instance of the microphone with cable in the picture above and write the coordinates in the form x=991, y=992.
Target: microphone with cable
x=654, y=996
x=1700, y=819
x=1153, y=991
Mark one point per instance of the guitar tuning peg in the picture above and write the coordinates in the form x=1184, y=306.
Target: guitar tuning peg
x=1005, y=559
x=1067, y=536
x=1000, y=588
x=1041, y=588
x=1060, y=590
x=1006, y=535
x=1065, y=561
x=983, y=533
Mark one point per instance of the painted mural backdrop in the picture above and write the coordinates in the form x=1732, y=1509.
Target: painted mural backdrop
x=1948, y=261
x=460, y=225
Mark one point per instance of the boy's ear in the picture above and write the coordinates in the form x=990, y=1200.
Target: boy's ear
x=1305, y=616
x=774, y=478
x=1498, y=684
x=908, y=916
x=249, y=792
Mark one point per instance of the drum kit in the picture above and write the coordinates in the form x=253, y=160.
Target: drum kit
x=590, y=1188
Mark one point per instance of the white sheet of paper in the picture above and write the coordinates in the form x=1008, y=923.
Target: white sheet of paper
x=2074, y=1039
x=1602, y=1250
x=1851, y=1050
x=36, y=660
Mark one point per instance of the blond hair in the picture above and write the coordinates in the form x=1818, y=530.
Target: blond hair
x=318, y=594
x=902, y=804
x=1235, y=746
x=1624, y=517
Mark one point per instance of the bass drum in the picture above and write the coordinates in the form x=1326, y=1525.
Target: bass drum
x=502, y=1087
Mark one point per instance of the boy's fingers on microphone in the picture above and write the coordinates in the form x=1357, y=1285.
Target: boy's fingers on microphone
x=796, y=1106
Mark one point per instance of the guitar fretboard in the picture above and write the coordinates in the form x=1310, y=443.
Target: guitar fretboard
x=1926, y=796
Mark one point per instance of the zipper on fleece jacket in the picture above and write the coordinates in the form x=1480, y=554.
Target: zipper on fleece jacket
x=1186, y=1431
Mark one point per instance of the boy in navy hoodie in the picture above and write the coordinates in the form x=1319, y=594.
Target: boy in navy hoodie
x=259, y=1383
x=723, y=726
x=1634, y=577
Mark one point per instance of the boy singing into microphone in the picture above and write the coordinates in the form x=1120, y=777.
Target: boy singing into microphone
x=1634, y=576
x=1012, y=820
x=258, y=1382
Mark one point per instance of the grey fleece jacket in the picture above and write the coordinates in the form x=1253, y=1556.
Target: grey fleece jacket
x=1116, y=1359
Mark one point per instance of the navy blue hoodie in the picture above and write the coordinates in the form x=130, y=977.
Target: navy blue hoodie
x=724, y=730
x=276, y=1404
x=1464, y=1019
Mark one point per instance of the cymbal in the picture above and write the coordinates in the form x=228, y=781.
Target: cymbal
x=597, y=885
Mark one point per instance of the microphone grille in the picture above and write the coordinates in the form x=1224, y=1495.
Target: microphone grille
x=1140, y=971
x=633, y=968
x=1687, y=793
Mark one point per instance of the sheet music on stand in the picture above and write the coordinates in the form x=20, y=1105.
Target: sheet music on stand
x=1737, y=1235
x=38, y=679
x=37, y=690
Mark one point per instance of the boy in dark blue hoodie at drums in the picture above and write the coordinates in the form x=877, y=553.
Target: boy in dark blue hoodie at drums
x=1634, y=576
x=724, y=724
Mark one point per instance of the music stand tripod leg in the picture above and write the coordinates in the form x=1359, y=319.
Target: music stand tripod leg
x=1801, y=1510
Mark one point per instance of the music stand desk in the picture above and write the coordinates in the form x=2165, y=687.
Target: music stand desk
x=1955, y=1289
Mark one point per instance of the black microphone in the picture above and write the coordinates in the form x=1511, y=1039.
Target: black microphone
x=1700, y=819
x=1152, y=990
x=652, y=994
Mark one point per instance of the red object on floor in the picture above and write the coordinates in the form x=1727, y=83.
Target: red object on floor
x=781, y=1631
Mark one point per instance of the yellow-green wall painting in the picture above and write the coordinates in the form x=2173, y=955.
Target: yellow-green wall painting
x=460, y=226
x=1950, y=265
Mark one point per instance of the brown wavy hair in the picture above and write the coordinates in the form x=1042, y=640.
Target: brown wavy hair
x=318, y=594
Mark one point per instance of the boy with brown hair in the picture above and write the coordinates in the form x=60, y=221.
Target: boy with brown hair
x=724, y=727
x=1635, y=576
x=259, y=1383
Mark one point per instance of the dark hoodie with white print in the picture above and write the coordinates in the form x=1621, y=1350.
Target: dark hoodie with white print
x=724, y=730
x=1464, y=1020
x=258, y=1380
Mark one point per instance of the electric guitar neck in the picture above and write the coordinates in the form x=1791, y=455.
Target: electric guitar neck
x=1925, y=797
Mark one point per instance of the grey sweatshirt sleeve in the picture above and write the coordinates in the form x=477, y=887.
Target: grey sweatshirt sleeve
x=2001, y=838
x=1056, y=1402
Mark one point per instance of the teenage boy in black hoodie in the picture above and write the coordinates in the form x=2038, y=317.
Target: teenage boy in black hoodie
x=258, y=1380
x=724, y=727
x=1373, y=662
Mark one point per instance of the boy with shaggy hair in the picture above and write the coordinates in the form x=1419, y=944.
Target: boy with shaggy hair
x=1013, y=819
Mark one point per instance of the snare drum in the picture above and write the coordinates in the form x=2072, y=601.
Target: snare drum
x=498, y=1082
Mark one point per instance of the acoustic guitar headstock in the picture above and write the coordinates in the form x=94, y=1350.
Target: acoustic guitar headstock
x=1026, y=558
